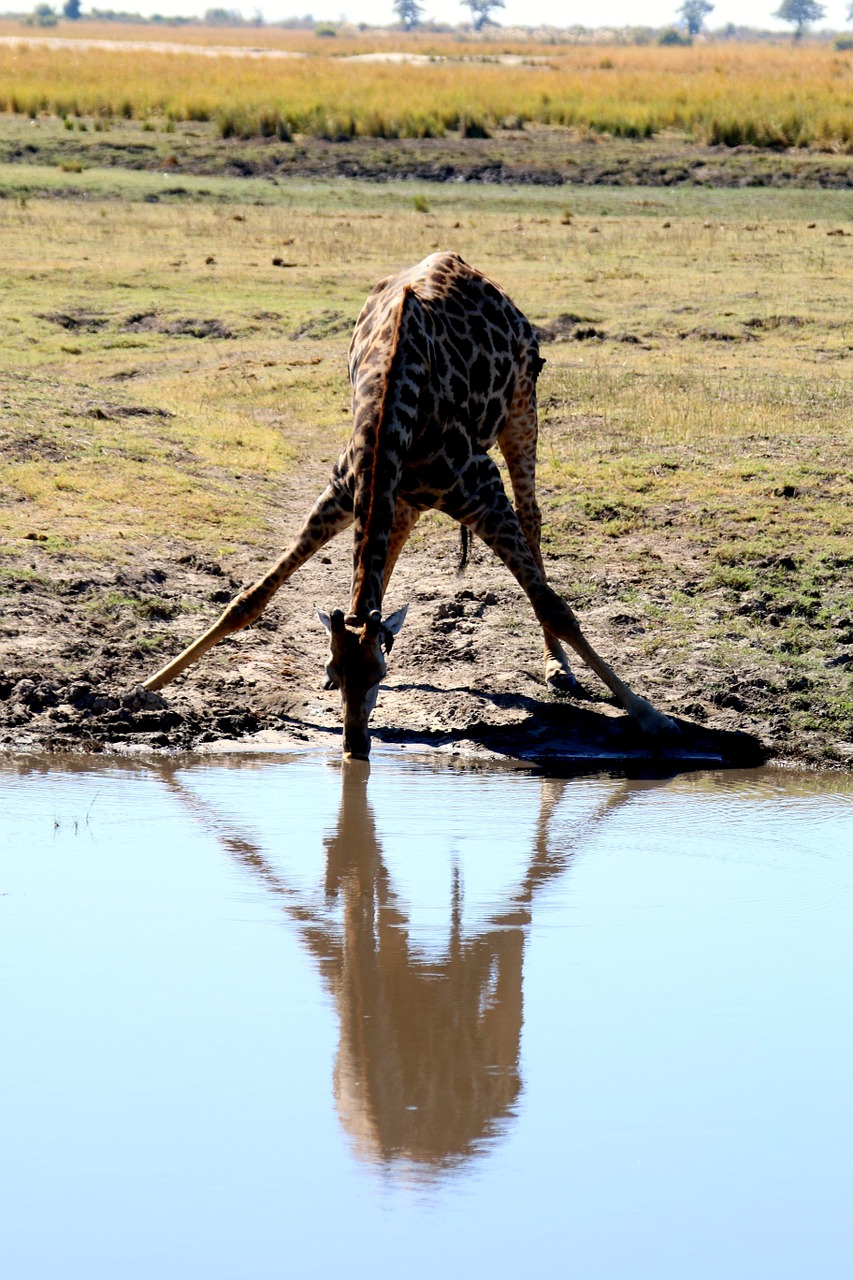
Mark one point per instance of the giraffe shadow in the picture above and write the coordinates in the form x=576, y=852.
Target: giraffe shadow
x=562, y=735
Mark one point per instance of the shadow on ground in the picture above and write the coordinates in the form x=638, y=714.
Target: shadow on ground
x=561, y=734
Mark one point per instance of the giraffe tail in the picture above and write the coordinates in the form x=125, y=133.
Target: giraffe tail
x=465, y=536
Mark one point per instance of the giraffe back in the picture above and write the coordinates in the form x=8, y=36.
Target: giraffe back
x=474, y=345
x=439, y=361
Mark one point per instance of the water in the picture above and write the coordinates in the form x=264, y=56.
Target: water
x=263, y=1017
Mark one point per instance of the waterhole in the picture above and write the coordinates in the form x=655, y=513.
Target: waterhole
x=273, y=1017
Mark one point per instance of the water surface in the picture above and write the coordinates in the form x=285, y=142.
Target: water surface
x=263, y=1016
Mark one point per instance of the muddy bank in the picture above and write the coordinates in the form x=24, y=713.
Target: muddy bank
x=532, y=156
x=465, y=674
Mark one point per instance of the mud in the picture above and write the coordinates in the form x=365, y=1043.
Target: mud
x=77, y=640
x=534, y=156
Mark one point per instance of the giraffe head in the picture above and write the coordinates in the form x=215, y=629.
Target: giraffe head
x=355, y=665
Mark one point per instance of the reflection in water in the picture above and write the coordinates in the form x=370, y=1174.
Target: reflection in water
x=168, y=1051
x=428, y=1059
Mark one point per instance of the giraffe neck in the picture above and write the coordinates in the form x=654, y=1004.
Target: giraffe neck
x=385, y=417
x=369, y=557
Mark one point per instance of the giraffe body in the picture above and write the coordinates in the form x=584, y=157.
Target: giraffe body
x=443, y=366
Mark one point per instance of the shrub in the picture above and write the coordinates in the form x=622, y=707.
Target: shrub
x=41, y=16
x=673, y=36
x=470, y=128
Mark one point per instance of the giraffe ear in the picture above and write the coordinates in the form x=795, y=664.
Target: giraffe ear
x=394, y=621
x=335, y=623
x=391, y=627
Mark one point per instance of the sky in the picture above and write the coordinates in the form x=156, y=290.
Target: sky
x=617, y=13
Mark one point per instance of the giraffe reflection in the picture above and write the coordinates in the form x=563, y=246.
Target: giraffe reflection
x=427, y=1069
x=429, y=1049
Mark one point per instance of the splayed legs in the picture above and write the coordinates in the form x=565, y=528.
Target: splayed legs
x=489, y=514
x=331, y=514
x=517, y=443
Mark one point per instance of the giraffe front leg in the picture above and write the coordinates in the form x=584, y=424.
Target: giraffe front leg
x=556, y=616
x=565, y=624
x=489, y=514
x=331, y=513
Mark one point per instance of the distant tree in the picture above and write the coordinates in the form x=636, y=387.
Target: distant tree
x=672, y=35
x=41, y=16
x=223, y=18
x=850, y=12
x=694, y=13
x=481, y=12
x=799, y=13
x=409, y=12
x=71, y=10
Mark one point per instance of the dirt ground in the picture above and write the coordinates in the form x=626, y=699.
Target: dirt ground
x=465, y=675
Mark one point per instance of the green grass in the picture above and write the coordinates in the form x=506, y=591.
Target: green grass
x=21, y=181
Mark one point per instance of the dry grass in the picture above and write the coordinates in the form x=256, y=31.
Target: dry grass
x=241, y=364
x=766, y=96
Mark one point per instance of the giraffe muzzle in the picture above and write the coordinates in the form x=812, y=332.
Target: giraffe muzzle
x=356, y=744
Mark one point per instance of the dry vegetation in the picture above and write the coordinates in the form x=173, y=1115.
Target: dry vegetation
x=175, y=385
x=767, y=96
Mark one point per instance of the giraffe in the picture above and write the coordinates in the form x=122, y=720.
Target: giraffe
x=443, y=366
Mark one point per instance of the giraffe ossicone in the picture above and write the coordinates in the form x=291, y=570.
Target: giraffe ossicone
x=443, y=366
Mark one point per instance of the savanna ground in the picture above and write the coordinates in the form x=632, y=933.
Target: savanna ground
x=173, y=359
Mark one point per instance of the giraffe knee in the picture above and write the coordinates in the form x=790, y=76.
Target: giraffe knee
x=242, y=611
x=556, y=616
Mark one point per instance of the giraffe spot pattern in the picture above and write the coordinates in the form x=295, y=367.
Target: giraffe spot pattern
x=440, y=361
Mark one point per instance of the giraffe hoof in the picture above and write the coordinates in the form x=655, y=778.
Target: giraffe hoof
x=563, y=683
x=653, y=723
